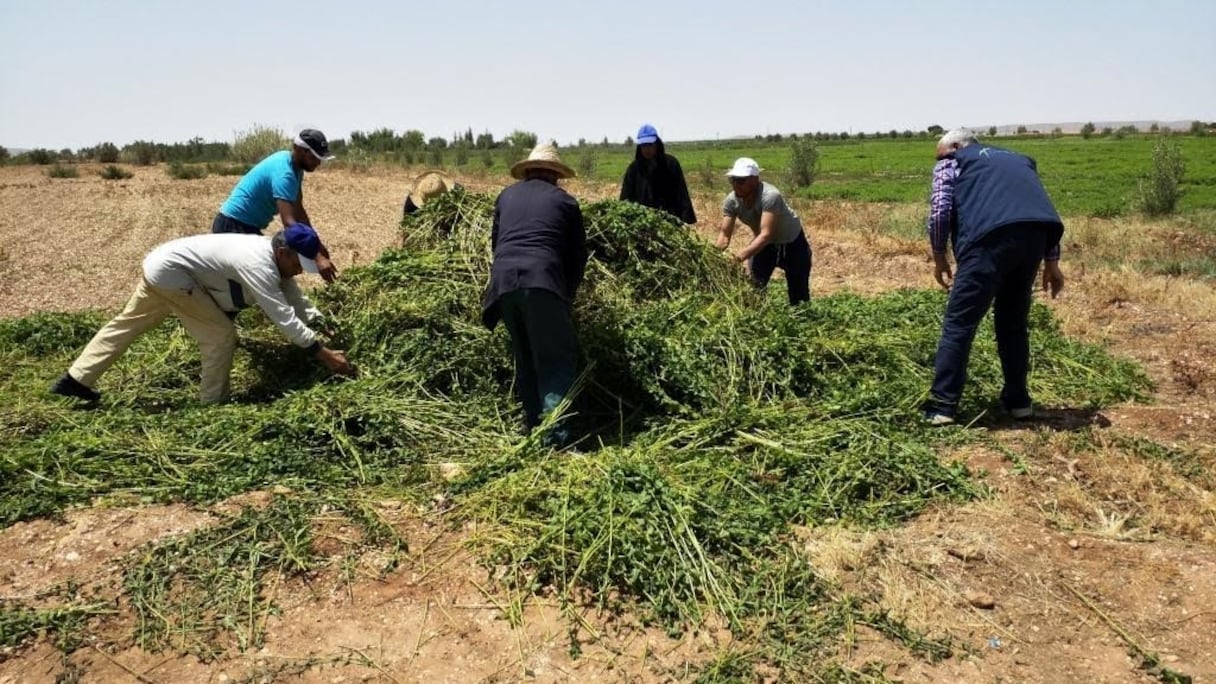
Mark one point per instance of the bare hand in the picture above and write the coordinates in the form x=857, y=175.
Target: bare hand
x=941, y=271
x=722, y=242
x=326, y=268
x=335, y=360
x=1053, y=278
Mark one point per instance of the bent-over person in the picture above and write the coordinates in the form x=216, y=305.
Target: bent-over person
x=778, y=240
x=540, y=254
x=204, y=280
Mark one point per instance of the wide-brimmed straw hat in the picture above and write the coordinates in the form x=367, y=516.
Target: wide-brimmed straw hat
x=543, y=156
x=429, y=185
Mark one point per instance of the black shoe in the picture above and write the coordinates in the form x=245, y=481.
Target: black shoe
x=67, y=386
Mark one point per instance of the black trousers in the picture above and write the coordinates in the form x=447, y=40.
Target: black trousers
x=793, y=257
x=227, y=224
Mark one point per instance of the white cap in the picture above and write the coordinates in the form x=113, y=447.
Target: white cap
x=744, y=167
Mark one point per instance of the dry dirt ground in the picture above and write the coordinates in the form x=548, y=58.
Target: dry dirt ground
x=1081, y=551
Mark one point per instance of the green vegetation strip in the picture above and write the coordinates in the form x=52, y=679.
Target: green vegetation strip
x=715, y=418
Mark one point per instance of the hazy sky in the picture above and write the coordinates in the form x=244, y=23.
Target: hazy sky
x=77, y=72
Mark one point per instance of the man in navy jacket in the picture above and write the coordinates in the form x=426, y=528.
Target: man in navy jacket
x=991, y=205
x=540, y=254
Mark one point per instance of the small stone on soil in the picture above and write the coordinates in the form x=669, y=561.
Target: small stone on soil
x=980, y=599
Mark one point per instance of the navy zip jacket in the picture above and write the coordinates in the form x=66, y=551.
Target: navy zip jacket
x=539, y=242
x=997, y=188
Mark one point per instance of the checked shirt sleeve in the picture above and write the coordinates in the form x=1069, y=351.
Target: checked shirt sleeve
x=941, y=204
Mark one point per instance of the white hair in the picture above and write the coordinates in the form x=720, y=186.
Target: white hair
x=958, y=136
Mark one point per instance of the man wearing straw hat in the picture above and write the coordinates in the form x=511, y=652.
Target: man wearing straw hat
x=201, y=279
x=778, y=240
x=540, y=254
x=426, y=187
x=275, y=186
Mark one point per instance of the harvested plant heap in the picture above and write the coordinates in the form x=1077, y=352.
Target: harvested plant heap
x=716, y=419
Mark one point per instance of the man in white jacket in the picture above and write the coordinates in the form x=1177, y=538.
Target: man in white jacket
x=204, y=280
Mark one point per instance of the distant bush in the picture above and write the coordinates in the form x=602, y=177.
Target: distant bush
x=182, y=171
x=708, y=175
x=435, y=156
x=462, y=154
x=257, y=143
x=1161, y=189
x=113, y=172
x=140, y=152
x=1087, y=130
x=586, y=163
x=804, y=163
x=40, y=156
x=218, y=169
x=4, y=154
x=511, y=154
x=487, y=158
x=356, y=159
x=62, y=171
x=526, y=140
x=1111, y=209
x=106, y=153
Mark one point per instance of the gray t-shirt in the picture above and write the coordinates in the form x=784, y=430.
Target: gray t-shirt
x=788, y=227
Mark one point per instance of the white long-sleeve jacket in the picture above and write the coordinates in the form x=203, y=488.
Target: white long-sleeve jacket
x=236, y=270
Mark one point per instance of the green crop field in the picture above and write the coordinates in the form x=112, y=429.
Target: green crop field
x=706, y=443
x=1095, y=177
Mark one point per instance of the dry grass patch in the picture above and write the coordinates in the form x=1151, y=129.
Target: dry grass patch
x=1117, y=487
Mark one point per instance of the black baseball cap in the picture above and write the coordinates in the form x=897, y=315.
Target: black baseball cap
x=314, y=141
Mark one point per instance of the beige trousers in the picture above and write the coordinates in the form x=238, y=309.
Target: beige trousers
x=199, y=314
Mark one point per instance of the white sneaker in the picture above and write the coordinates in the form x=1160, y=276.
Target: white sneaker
x=938, y=419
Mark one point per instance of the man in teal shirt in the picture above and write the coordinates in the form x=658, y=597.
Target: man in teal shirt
x=274, y=186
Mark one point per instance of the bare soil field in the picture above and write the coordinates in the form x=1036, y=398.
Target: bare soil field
x=1084, y=564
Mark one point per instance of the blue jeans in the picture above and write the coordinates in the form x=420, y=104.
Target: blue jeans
x=546, y=353
x=794, y=257
x=998, y=272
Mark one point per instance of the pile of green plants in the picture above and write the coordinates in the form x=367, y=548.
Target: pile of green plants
x=714, y=419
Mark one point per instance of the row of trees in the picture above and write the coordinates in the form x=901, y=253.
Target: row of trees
x=251, y=145
x=1197, y=128
x=140, y=152
x=413, y=145
x=386, y=140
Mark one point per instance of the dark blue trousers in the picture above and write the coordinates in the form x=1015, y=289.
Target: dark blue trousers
x=545, y=347
x=793, y=257
x=998, y=272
